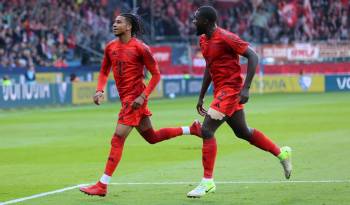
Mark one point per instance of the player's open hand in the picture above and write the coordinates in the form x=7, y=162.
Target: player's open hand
x=98, y=97
x=244, y=96
x=138, y=102
x=200, y=108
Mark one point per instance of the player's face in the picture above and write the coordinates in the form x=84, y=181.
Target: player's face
x=121, y=26
x=200, y=23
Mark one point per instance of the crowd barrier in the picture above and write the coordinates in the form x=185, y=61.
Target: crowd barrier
x=42, y=94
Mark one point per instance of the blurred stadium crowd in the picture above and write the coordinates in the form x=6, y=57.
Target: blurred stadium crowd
x=259, y=21
x=47, y=33
x=64, y=33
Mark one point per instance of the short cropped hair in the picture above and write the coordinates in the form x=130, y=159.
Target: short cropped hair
x=209, y=13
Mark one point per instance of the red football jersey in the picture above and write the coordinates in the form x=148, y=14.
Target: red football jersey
x=127, y=61
x=221, y=53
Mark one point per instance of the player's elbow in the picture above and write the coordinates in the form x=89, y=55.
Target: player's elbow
x=156, y=76
x=251, y=55
x=255, y=58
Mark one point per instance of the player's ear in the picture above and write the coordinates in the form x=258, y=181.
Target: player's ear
x=128, y=27
x=205, y=21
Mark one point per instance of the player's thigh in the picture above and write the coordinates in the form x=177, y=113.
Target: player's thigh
x=239, y=125
x=123, y=130
x=144, y=125
x=210, y=126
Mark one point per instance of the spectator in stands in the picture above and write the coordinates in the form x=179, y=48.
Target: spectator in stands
x=30, y=74
x=39, y=25
x=74, y=78
x=46, y=29
x=60, y=62
x=2, y=57
x=259, y=24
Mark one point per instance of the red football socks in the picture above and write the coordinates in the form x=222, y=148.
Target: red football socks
x=115, y=154
x=261, y=141
x=209, y=150
x=153, y=137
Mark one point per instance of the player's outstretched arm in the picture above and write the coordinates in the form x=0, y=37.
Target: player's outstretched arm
x=205, y=84
x=253, y=60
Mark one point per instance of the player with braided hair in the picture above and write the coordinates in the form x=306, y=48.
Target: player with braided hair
x=127, y=56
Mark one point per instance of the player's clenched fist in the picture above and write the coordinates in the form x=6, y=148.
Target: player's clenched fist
x=200, y=108
x=98, y=97
x=138, y=102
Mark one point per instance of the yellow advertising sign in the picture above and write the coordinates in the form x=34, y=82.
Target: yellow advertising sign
x=82, y=92
x=48, y=77
x=283, y=83
x=95, y=76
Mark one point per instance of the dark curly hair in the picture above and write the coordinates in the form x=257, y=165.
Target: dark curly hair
x=136, y=23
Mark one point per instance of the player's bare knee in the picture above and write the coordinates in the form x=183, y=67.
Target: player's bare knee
x=215, y=115
x=244, y=134
x=150, y=141
x=118, y=133
x=207, y=133
x=150, y=136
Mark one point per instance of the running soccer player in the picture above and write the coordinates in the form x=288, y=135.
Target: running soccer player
x=221, y=50
x=127, y=57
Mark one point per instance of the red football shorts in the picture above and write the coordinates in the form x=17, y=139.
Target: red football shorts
x=132, y=117
x=226, y=101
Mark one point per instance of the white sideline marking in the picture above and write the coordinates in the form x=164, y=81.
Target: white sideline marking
x=232, y=182
x=170, y=183
x=41, y=195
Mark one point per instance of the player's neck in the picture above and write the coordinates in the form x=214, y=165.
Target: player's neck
x=125, y=38
x=210, y=31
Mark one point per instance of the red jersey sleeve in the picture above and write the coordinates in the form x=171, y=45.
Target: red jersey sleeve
x=104, y=71
x=152, y=66
x=237, y=44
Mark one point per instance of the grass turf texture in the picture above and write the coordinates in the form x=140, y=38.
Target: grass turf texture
x=47, y=149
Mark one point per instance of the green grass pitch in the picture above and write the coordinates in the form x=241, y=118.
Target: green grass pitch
x=47, y=149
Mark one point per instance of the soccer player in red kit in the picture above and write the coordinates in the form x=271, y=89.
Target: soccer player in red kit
x=221, y=50
x=127, y=57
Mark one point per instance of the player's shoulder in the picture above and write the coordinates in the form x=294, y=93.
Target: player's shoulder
x=225, y=34
x=111, y=43
x=141, y=45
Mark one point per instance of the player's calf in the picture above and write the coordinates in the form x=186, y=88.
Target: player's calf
x=154, y=136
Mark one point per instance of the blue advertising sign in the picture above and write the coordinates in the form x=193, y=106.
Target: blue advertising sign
x=173, y=87
x=29, y=95
x=112, y=91
x=193, y=86
x=338, y=83
x=62, y=93
x=24, y=95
